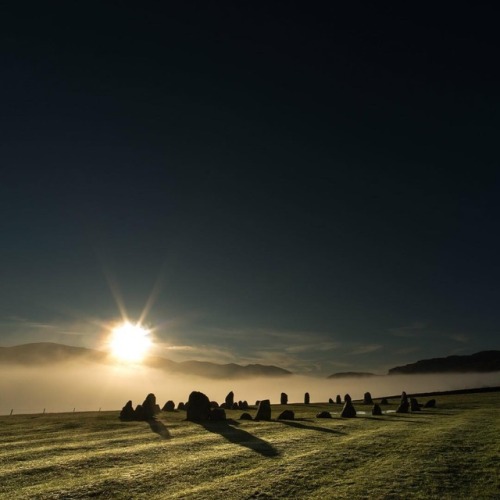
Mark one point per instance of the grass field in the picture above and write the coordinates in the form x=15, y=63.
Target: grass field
x=452, y=451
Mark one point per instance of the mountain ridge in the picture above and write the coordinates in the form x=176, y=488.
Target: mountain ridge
x=44, y=353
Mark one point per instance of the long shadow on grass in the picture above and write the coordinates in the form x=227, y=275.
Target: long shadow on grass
x=294, y=423
x=159, y=428
x=228, y=430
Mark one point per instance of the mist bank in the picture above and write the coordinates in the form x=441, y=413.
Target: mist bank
x=65, y=387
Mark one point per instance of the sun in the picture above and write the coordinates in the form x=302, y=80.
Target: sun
x=129, y=342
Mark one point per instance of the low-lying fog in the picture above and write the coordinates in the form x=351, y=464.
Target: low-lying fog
x=31, y=390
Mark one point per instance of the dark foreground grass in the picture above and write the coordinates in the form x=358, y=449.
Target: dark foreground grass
x=452, y=451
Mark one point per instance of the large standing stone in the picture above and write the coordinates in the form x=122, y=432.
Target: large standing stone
x=229, y=400
x=284, y=398
x=376, y=410
x=198, y=407
x=264, y=410
x=127, y=412
x=306, y=398
x=404, y=405
x=287, y=415
x=348, y=411
x=149, y=406
x=367, y=399
x=430, y=404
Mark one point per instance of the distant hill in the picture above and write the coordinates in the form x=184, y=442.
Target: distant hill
x=485, y=361
x=48, y=353
x=351, y=375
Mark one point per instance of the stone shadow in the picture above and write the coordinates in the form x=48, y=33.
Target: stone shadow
x=159, y=428
x=228, y=429
x=298, y=425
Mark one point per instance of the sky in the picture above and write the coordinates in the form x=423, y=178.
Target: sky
x=311, y=186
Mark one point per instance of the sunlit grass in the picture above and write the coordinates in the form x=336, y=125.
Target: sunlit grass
x=452, y=451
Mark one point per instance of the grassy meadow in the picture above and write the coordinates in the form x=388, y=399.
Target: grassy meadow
x=452, y=451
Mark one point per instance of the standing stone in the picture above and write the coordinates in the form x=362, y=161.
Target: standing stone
x=348, y=411
x=229, y=400
x=306, y=398
x=284, y=398
x=414, y=406
x=347, y=398
x=330, y=401
x=149, y=406
x=139, y=413
x=217, y=414
x=367, y=399
x=244, y=405
x=338, y=399
x=376, y=410
x=198, y=407
x=430, y=404
x=214, y=404
x=384, y=401
x=181, y=406
x=264, y=410
x=404, y=405
x=287, y=415
x=246, y=416
x=169, y=406
x=127, y=412
x=324, y=414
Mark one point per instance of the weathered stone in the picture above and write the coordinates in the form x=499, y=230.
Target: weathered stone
x=284, y=398
x=169, y=406
x=149, y=406
x=348, y=411
x=181, y=406
x=198, y=407
x=127, y=412
x=217, y=414
x=244, y=405
x=235, y=406
x=330, y=400
x=347, y=398
x=376, y=410
x=384, y=401
x=324, y=414
x=246, y=416
x=404, y=405
x=430, y=404
x=338, y=399
x=367, y=399
x=286, y=415
x=414, y=406
x=264, y=410
x=139, y=413
x=229, y=400
x=257, y=403
x=306, y=398
x=214, y=404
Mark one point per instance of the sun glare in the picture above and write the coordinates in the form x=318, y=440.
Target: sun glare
x=129, y=342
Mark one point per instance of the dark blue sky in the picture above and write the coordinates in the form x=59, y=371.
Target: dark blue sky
x=315, y=187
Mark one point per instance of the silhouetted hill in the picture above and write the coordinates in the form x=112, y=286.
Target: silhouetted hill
x=485, y=361
x=351, y=375
x=48, y=353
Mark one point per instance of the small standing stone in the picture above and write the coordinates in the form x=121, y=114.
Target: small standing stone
x=284, y=398
x=376, y=410
x=324, y=414
x=367, y=399
x=287, y=415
